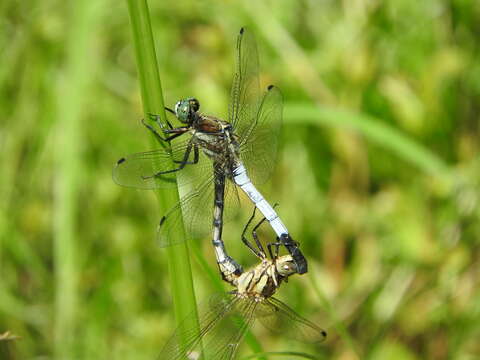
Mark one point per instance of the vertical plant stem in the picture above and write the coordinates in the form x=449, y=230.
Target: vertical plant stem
x=178, y=256
x=68, y=170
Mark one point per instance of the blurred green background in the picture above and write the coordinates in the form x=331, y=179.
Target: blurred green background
x=378, y=175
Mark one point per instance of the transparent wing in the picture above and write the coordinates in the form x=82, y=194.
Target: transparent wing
x=138, y=170
x=223, y=321
x=245, y=93
x=259, y=144
x=186, y=338
x=223, y=342
x=280, y=318
x=232, y=201
x=195, y=209
x=192, y=211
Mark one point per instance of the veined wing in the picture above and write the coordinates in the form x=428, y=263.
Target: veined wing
x=223, y=321
x=223, y=342
x=259, y=145
x=194, y=211
x=245, y=93
x=195, y=208
x=186, y=338
x=139, y=170
x=280, y=318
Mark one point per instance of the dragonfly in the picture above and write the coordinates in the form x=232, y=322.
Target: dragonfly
x=225, y=317
x=245, y=144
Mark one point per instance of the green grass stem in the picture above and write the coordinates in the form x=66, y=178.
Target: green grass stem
x=178, y=256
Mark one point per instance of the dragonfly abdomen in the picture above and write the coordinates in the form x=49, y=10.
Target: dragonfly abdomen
x=228, y=267
x=241, y=179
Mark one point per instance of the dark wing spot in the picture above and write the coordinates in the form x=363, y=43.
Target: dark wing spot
x=162, y=220
x=324, y=333
x=121, y=161
x=270, y=87
x=242, y=30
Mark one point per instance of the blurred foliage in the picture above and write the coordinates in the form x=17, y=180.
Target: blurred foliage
x=392, y=245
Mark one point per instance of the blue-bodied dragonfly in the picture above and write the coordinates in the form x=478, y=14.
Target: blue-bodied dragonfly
x=247, y=141
x=225, y=318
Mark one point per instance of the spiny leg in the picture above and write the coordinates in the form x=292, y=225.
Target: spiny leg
x=261, y=253
x=176, y=132
x=182, y=163
x=277, y=244
x=255, y=237
x=171, y=112
x=157, y=119
x=195, y=158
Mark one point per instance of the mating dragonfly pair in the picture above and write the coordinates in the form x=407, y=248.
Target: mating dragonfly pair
x=234, y=150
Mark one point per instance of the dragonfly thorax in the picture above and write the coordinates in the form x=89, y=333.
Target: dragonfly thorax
x=217, y=140
x=185, y=108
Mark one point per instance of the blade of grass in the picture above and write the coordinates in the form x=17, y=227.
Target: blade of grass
x=372, y=128
x=68, y=170
x=151, y=90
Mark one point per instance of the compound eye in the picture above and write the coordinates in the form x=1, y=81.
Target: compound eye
x=177, y=105
x=182, y=110
x=194, y=104
x=287, y=269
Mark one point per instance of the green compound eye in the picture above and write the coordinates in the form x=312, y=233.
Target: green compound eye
x=185, y=108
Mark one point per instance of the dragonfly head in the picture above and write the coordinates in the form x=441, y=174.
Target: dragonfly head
x=285, y=266
x=185, y=108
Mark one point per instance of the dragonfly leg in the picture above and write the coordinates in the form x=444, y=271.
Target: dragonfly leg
x=274, y=254
x=171, y=112
x=182, y=164
x=255, y=236
x=176, y=132
x=261, y=253
x=157, y=119
x=195, y=158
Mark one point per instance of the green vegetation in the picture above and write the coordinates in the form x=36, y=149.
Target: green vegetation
x=179, y=269
x=378, y=176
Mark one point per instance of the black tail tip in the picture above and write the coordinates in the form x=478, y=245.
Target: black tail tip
x=120, y=161
x=242, y=30
x=270, y=87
